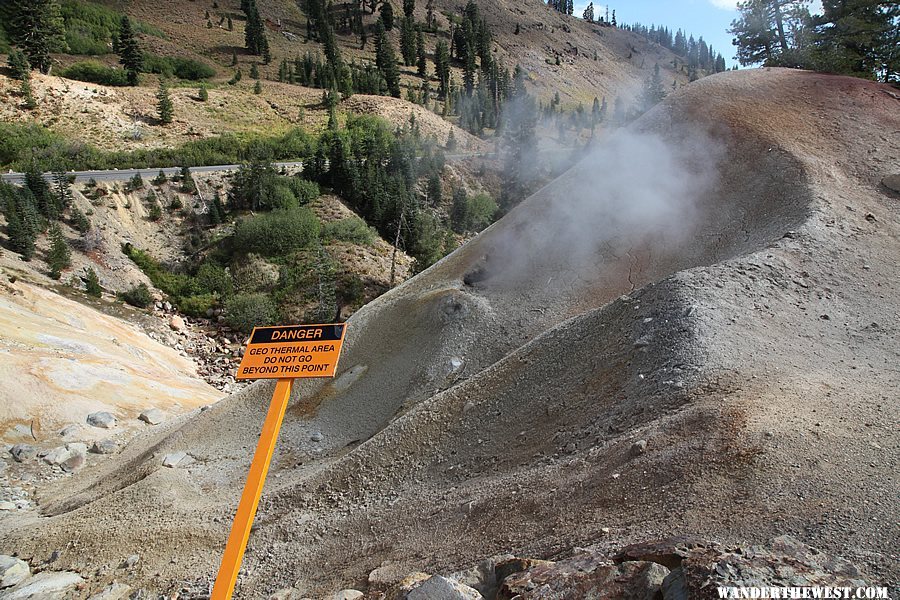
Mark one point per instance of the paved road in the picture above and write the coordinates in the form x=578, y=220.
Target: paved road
x=126, y=174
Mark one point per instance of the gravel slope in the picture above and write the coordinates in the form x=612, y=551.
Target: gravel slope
x=491, y=403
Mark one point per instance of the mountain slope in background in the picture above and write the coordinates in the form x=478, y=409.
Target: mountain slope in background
x=716, y=282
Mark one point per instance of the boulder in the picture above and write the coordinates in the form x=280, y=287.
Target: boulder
x=175, y=459
x=70, y=457
x=23, y=452
x=585, y=575
x=104, y=447
x=386, y=576
x=73, y=463
x=668, y=552
x=787, y=562
x=129, y=562
x=176, y=323
x=483, y=576
x=441, y=588
x=102, y=419
x=405, y=585
x=57, y=455
x=505, y=567
x=13, y=571
x=70, y=431
x=639, y=447
x=152, y=416
x=49, y=585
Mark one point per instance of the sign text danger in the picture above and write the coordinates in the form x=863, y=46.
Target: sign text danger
x=292, y=351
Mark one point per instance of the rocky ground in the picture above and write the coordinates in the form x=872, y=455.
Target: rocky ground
x=690, y=334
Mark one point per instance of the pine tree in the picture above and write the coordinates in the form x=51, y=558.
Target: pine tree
x=164, y=106
x=203, y=94
x=234, y=60
x=408, y=7
x=59, y=257
x=386, y=60
x=858, y=37
x=187, y=181
x=215, y=217
x=255, y=30
x=18, y=64
x=92, y=283
x=459, y=211
x=408, y=41
x=21, y=236
x=220, y=208
x=40, y=191
x=257, y=87
x=421, y=59
x=129, y=52
x=442, y=67
x=230, y=24
x=36, y=28
x=79, y=221
x=451, y=141
x=387, y=16
x=27, y=93
x=588, y=14
x=62, y=194
x=254, y=71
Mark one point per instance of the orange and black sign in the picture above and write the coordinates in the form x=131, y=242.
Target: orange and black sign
x=292, y=351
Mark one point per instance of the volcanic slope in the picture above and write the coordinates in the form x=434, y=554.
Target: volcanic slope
x=719, y=280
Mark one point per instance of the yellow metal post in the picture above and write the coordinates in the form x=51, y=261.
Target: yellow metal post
x=256, y=478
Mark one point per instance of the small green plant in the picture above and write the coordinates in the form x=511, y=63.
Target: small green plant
x=79, y=221
x=135, y=183
x=235, y=78
x=203, y=94
x=155, y=212
x=176, y=204
x=351, y=229
x=246, y=311
x=138, y=296
x=92, y=283
x=158, y=180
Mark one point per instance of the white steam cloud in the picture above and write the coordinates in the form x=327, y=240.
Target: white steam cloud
x=635, y=198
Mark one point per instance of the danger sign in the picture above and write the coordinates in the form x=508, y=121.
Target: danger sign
x=292, y=351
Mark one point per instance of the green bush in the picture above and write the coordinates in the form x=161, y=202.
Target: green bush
x=138, y=296
x=20, y=142
x=176, y=66
x=277, y=233
x=173, y=284
x=213, y=279
x=196, y=306
x=155, y=212
x=17, y=140
x=352, y=229
x=92, y=283
x=93, y=72
x=305, y=191
x=90, y=27
x=481, y=211
x=246, y=311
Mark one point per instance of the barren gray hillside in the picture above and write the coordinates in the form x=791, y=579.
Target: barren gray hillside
x=693, y=331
